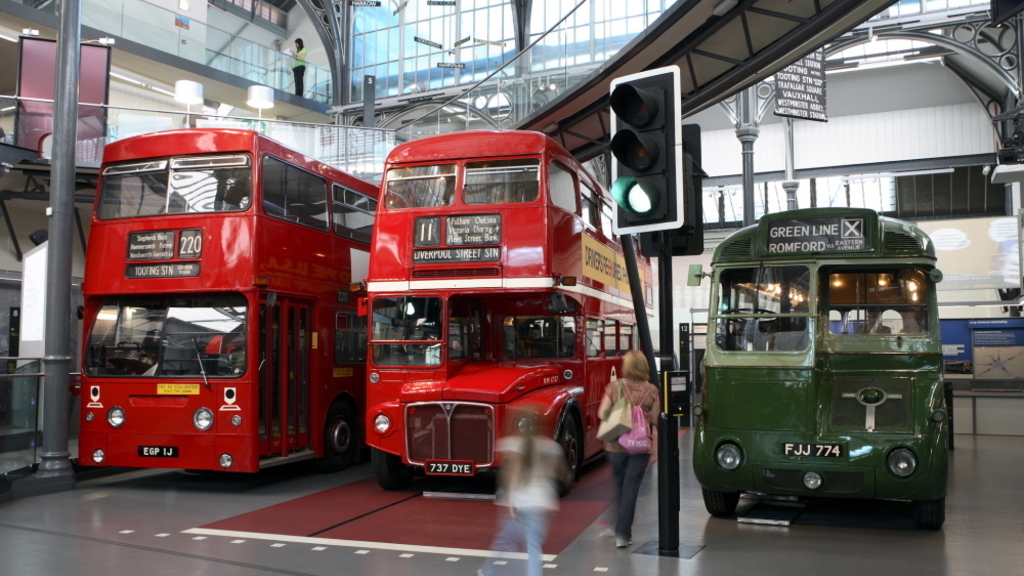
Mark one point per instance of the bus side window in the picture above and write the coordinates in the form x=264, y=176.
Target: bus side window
x=561, y=188
x=593, y=338
x=625, y=338
x=293, y=194
x=610, y=338
x=349, y=338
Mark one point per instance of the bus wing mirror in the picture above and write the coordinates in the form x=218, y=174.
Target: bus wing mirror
x=695, y=275
x=935, y=274
x=558, y=304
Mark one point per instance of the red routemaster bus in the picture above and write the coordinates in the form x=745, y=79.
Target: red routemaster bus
x=219, y=330
x=494, y=280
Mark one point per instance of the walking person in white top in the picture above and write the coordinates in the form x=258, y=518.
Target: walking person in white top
x=528, y=487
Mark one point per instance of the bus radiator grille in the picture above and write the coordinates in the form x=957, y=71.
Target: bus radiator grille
x=466, y=434
x=894, y=415
x=896, y=242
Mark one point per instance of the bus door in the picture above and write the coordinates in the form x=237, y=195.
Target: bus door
x=285, y=371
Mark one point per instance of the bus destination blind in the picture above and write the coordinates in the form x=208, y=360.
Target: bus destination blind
x=816, y=235
x=181, y=270
x=473, y=230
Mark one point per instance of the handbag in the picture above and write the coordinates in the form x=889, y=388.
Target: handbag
x=619, y=419
x=638, y=439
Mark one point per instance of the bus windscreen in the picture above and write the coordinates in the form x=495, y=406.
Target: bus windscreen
x=175, y=186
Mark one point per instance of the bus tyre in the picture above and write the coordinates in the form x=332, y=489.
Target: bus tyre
x=390, y=472
x=340, y=438
x=930, y=514
x=720, y=503
x=569, y=439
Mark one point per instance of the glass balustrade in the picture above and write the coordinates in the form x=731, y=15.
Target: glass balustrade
x=354, y=149
x=21, y=432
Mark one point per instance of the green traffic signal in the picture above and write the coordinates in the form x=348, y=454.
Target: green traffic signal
x=637, y=196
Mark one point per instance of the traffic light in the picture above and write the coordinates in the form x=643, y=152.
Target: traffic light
x=647, y=145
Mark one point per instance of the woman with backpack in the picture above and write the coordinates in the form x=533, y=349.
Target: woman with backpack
x=629, y=468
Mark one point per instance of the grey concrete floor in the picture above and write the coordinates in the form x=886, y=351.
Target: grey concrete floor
x=135, y=523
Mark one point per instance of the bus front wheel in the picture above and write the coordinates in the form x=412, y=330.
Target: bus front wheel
x=930, y=514
x=390, y=472
x=720, y=503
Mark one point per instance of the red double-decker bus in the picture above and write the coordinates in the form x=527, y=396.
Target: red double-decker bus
x=495, y=280
x=219, y=330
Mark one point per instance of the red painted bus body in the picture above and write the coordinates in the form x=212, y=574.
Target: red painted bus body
x=219, y=332
x=495, y=282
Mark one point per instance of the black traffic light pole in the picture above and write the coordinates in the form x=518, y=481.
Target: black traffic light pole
x=668, y=426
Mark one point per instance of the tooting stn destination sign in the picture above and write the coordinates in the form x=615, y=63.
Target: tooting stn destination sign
x=816, y=235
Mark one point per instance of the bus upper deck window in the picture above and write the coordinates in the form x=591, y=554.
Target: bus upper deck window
x=878, y=302
x=502, y=181
x=420, y=186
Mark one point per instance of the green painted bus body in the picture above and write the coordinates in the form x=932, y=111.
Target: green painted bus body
x=763, y=397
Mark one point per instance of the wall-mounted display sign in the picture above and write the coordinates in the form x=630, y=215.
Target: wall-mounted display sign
x=440, y=2
x=427, y=42
x=491, y=42
x=458, y=65
x=366, y=2
x=463, y=41
x=800, y=88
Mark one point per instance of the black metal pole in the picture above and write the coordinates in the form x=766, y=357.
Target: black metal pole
x=55, y=457
x=636, y=288
x=668, y=425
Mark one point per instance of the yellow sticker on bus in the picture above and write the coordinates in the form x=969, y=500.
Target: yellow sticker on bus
x=342, y=372
x=176, y=389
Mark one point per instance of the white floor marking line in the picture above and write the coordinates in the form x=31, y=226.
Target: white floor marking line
x=362, y=551
x=278, y=545
x=200, y=538
x=319, y=548
x=361, y=544
x=126, y=531
x=237, y=541
x=162, y=535
x=451, y=559
x=551, y=565
x=600, y=569
x=406, y=555
x=500, y=562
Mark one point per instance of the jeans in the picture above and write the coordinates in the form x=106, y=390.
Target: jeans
x=628, y=471
x=531, y=527
x=300, y=76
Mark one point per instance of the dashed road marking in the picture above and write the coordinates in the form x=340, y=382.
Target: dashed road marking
x=362, y=551
x=199, y=538
x=319, y=548
x=452, y=559
x=162, y=535
x=126, y=531
x=551, y=565
x=237, y=541
x=462, y=552
x=406, y=555
x=600, y=569
x=278, y=545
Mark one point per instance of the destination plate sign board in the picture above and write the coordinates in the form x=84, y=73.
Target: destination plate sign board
x=816, y=235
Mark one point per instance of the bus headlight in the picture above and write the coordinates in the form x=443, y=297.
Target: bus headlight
x=116, y=416
x=374, y=377
x=226, y=460
x=812, y=480
x=902, y=462
x=236, y=420
x=98, y=456
x=728, y=456
x=938, y=416
x=382, y=423
x=203, y=419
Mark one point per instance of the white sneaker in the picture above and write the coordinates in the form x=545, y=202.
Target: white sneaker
x=622, y=542
x=607, y=533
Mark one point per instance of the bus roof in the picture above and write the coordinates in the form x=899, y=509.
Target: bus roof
x=479, y=144
x=825, y=232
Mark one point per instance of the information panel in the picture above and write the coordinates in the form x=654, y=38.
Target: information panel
x=473, y=230
x=151, y=245
x=815, y=235
x=800, y=88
